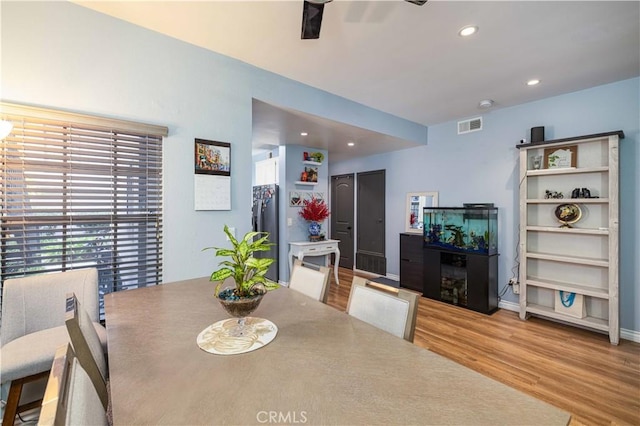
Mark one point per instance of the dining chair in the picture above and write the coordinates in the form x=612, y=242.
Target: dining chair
x=33, y=326
x=311, y=280
x=87, y=346
x=70, y=397
x=394, y=310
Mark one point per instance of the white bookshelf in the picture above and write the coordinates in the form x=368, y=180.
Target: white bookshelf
x=581, y=259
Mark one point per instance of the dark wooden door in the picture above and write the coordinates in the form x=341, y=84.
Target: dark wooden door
x=370, y=251
x=342, y=204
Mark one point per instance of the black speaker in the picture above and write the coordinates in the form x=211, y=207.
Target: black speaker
x=537, y=134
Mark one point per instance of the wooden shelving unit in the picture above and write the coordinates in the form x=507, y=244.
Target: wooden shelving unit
x=581, y=259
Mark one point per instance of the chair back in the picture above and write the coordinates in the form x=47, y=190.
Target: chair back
x=388, y=308
x=33, y=303
x=311, y=280
x=87, y=346
x=70, y=398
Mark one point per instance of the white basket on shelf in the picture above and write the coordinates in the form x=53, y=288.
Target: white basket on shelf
x=571, y=304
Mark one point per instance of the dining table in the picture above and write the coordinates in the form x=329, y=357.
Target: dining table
x=324, y=367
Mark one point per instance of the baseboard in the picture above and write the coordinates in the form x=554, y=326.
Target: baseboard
x=509, y=306
x=369, y=274
x=625, y=334
x=632, y=335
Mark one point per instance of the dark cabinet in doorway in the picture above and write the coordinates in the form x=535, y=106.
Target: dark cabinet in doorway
x=411, y=262
x=462, y=279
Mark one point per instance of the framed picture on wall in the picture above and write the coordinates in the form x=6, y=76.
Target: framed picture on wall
x=212, y=157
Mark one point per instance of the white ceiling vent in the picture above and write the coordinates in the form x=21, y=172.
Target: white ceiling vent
x=471, y=125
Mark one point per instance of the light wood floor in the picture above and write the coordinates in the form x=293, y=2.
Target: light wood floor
x=574, y=369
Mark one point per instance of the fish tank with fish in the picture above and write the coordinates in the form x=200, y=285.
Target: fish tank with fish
x=469, y=229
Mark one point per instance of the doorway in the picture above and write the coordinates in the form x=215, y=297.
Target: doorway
x=370, y=253
x=342, y=204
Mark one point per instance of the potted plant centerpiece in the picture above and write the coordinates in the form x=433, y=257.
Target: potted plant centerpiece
x=247, y=271
x=315, y=211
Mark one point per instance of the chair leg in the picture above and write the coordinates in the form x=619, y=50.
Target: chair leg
x=13, y=406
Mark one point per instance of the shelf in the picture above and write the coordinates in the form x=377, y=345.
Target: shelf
x=299, y=182
x=312, y=163
x=591, y=322
x=571, y=287
x=578, y=231
x=567, y=200
x=567, y=171
x=569, y=259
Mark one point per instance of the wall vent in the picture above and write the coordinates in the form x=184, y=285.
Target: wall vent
x=471, y=125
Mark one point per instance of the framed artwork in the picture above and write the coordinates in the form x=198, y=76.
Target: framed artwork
x=297, y=198
x=561, y=157
x=212, y=158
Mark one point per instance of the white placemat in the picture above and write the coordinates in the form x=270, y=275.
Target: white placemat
x=218, y=338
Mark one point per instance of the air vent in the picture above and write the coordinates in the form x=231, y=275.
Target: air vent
x=468, y=126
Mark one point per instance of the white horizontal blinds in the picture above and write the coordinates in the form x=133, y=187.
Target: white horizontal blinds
x=76, y=195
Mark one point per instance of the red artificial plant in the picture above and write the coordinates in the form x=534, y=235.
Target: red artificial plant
x=314, y=210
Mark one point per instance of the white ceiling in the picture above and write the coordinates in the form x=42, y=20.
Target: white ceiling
x=404, y=59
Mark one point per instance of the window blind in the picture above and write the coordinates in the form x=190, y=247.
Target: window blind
x=78, y=191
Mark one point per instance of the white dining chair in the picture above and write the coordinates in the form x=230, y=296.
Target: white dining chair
x=311, y=280
x=87, y=346
x=70, y=397
x=33, y=326
x=390, y=309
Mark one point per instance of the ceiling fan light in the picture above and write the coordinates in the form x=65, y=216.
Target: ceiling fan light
x=319, y=1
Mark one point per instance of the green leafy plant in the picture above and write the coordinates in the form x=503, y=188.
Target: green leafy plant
x=318, y=157
x=247, y=271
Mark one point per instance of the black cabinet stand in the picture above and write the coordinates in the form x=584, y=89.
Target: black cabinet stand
x=462, y=279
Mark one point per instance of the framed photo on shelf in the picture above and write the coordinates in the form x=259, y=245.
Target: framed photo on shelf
x=561, y=157
x=212, y=158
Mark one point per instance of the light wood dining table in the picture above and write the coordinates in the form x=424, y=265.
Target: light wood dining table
x=323, y=367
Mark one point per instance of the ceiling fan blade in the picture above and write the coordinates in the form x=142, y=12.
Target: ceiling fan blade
x=311, y=19
x=418, y=2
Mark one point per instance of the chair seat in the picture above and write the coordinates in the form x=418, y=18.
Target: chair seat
x=34, y=352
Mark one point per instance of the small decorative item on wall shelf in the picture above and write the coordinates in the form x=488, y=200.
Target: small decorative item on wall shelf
x=561, y=157
x=317, y=157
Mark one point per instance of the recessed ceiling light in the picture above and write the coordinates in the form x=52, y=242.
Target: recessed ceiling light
x=468, y=30
x=351, y=144
x=303, y=133
x=485, y=103
x=533, y=82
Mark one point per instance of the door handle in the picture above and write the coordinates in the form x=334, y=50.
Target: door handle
x=349, y=228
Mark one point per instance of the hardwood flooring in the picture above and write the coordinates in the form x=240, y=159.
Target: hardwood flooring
x=576, y=370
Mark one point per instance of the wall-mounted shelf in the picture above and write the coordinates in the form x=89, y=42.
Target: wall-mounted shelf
x=312, y=163
x=299, y=182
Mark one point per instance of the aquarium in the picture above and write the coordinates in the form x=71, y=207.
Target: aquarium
x=463, y=229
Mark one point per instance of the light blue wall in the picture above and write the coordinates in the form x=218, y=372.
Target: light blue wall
x=483, y=167
x=61, y=55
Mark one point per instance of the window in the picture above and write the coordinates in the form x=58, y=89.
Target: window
x=79, y=191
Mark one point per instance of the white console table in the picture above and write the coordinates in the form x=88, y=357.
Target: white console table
x=300, y=249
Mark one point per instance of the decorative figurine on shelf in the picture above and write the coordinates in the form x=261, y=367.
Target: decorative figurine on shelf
x=304, y=176
x=581, y=193
x=305, y=156
x=553, y=194
x=315, y=211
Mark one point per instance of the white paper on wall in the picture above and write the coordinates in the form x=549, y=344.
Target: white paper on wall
x=212, y=192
